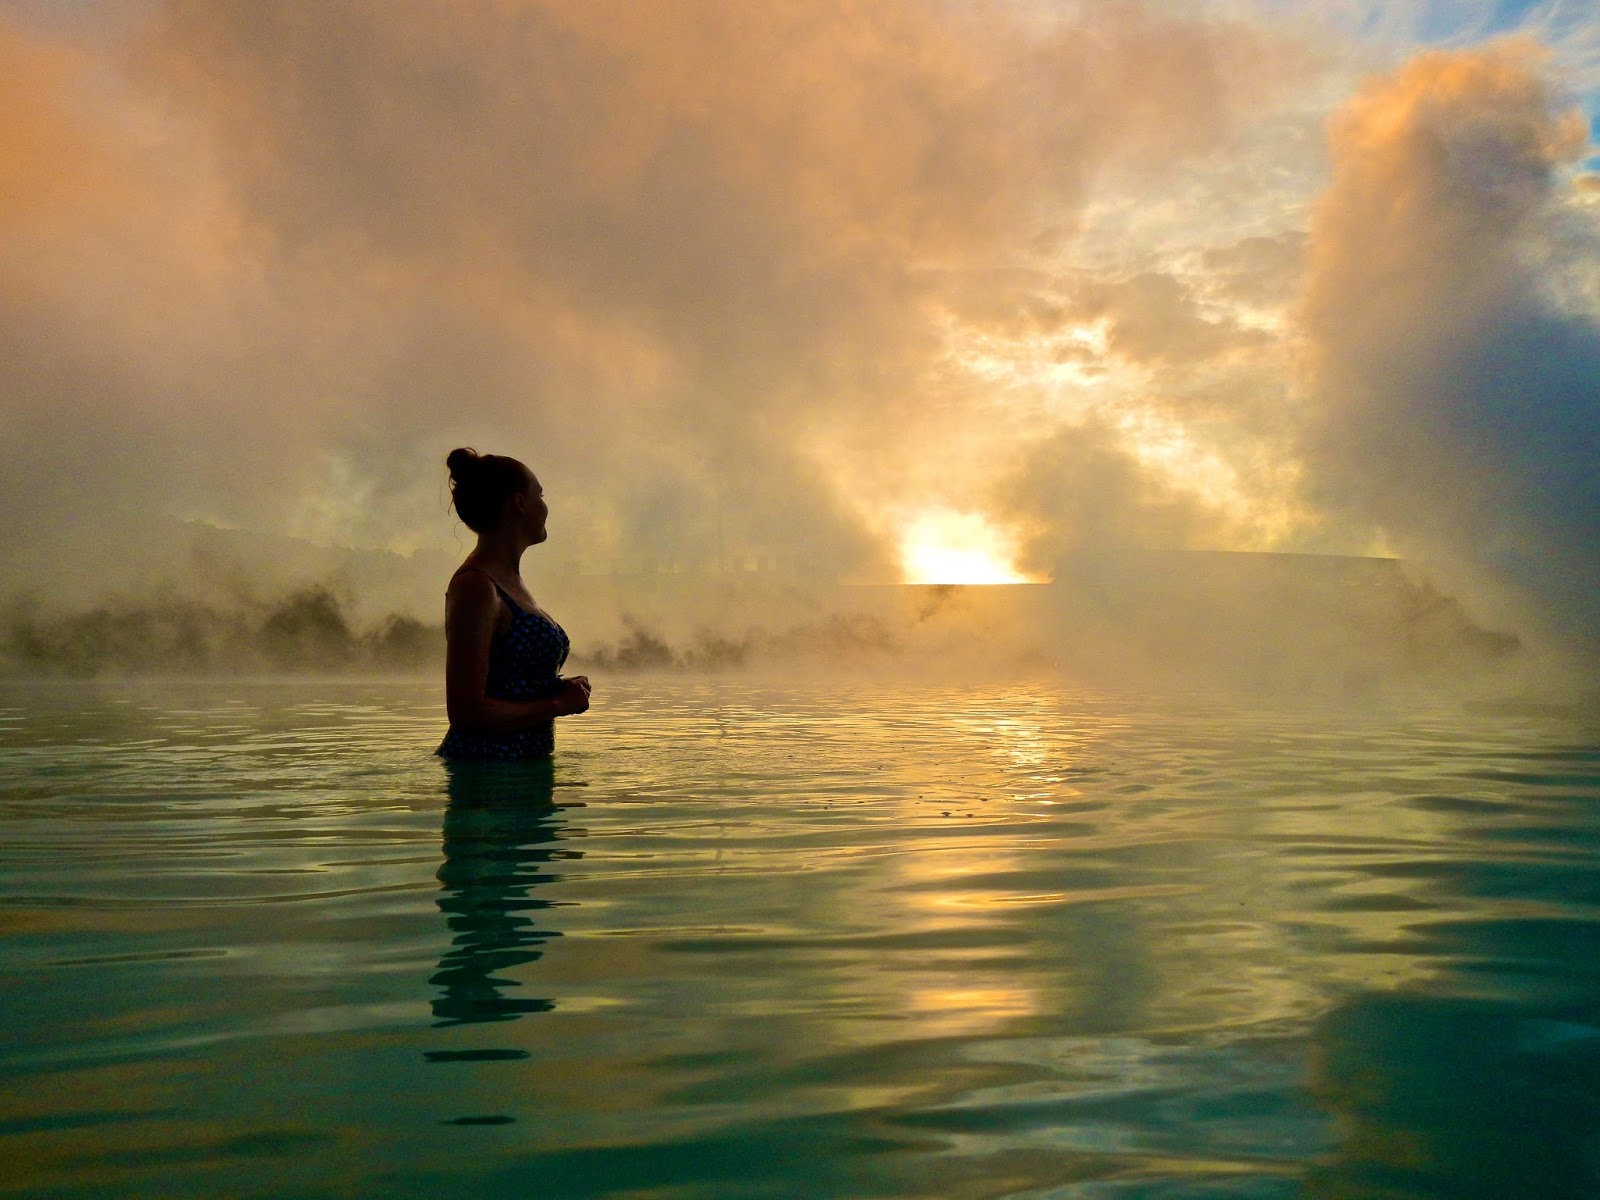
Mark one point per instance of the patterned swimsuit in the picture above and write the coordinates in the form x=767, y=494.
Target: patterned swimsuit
x=523, y=665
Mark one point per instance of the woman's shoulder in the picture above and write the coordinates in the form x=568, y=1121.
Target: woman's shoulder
x=470, y=576
x=472, y=584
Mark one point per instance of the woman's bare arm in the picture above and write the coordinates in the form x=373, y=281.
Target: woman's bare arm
x=471, y=613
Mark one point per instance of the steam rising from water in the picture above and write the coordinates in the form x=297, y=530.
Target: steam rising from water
x=790, y=280
x=1458, y=388
x=1297, y=625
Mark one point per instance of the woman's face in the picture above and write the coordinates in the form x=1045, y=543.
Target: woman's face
x=533, y=511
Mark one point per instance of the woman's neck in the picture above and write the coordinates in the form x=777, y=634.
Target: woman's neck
x=499, y=554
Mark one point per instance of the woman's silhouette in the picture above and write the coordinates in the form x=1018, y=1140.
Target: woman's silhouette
x=502, y=651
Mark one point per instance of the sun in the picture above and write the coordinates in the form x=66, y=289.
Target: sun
x=946, y=546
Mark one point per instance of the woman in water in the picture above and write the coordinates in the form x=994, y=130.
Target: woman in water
x=502, y=651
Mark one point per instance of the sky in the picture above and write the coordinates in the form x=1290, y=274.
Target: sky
x=911, y=289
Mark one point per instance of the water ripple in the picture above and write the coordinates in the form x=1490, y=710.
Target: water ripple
x=998, y=941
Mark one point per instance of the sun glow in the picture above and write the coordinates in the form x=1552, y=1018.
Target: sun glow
x=945, y=546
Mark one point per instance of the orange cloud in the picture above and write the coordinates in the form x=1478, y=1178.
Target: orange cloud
x=695, y=260
x=56, y=165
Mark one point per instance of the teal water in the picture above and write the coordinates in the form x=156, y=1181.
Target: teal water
x=815, y=941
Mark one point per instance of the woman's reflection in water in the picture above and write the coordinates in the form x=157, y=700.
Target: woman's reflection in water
x=500, y=826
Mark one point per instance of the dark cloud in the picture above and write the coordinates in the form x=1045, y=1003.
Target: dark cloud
x=1457, y=405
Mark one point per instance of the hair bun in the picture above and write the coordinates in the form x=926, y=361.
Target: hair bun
x=461, y=461
x=480, y=484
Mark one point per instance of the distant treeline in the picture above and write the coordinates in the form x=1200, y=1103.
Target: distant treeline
x=1256, y=621
x=309, y=630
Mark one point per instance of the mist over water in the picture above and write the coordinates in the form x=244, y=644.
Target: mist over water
x=1458, y=380
x=1040, y=291
x=1082, y=518
x=1333, y=629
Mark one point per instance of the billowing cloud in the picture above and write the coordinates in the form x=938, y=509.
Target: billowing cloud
x=778, y=278
x=696, y=262
x=1082, y=491
x=1457, y=401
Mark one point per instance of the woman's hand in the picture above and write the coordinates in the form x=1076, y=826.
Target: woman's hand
x=573, y=698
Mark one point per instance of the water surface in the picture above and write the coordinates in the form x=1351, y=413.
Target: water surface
x=820, y=940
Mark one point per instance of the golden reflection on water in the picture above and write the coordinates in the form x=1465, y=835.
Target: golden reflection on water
x=1164, y=936
x=966, y=1011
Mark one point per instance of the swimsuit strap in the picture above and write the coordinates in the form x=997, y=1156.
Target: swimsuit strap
x=504, y=595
